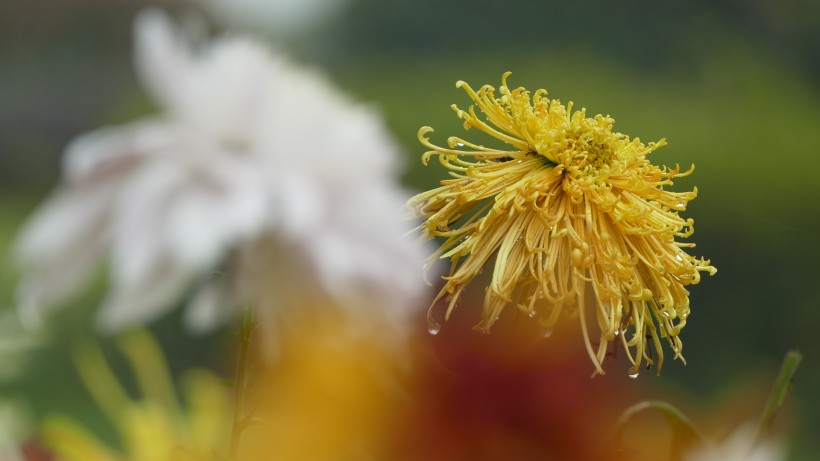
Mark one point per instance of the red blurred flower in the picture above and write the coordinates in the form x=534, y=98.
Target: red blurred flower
x=512, y=394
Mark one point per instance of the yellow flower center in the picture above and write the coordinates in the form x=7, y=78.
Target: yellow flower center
x=586, y=148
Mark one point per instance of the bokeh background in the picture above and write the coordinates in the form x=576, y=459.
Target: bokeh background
x=733, y=85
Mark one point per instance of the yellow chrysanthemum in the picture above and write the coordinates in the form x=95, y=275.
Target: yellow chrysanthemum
x=568, y=210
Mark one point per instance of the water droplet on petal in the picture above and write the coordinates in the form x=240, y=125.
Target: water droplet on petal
x=434, y=328
x=547, y=334
x=634, y=375
x=531, y=313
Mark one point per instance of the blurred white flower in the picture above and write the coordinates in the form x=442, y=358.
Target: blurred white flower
x=279, y=17
x=254, y=168
x=739, y=446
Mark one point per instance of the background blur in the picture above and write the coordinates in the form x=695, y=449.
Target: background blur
x=733, y=85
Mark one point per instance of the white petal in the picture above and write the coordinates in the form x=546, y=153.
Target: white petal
x=301, y=206
x=61, y=245
x=145, y=299
x=364, y=239
x=212, y=305
x=67, y=220
x=162, y=57
x=739, y=446
x=139, y=239
x=112, y=152
x=221, y=203
x=65, y=239
x=226, y=98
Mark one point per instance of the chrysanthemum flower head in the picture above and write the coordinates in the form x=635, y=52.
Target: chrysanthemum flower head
x=572, y=215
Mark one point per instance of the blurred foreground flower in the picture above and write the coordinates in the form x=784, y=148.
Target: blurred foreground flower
x=256, y=170
x=332, y=398
x=512, y=395
x=739, y=446
x=567, y=202
x=155, y=427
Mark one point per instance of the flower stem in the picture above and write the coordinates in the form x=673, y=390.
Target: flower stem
x=780, y=390
x=246, y=327
x=681, y=425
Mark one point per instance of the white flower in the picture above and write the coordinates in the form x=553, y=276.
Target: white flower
x=739, y=446
x=254, y=168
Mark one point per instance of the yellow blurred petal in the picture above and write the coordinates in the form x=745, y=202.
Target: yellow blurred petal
x=209, y=410
x=150, y=369
x=73, y=442
x=150, y=432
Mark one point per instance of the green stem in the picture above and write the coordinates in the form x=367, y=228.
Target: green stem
x=673, y=415
x=780, y=391
x=246, y=327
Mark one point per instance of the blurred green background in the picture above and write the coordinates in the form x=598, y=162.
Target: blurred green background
x=733, y=85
